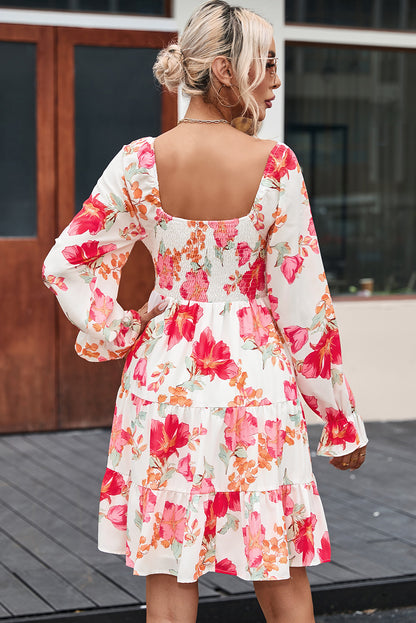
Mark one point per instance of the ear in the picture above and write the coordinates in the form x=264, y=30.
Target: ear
x=221, y=69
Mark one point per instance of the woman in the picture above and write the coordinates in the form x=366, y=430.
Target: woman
x=209, y=466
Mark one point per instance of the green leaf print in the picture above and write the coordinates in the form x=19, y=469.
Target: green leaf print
x=168, y=474
x=225, y=455
x=336, y=377
x=241, y=452
x=138, y=520
x=176, y=548
x=286, y=479
x=131, y=172
x=231, y=524
x=282, y=249
x=249, y=345
x=257, y=574
x=114, y=457
x=295, y=418
x=119, y=203
x=318, y=319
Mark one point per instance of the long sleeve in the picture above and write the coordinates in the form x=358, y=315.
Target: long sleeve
x=83, y=268
x=302, y=308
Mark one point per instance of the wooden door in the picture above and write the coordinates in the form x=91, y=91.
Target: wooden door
x=106, y=97
x=27, y=226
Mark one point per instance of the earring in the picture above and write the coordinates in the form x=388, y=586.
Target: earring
x=219, y=96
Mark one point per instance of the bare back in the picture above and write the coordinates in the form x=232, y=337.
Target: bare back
x=209, y=172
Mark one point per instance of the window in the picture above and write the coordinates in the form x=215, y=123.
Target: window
x=349, y=117
x=140, y=7
x=387, y=14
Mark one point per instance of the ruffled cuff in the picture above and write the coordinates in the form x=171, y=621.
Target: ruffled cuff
x=119, y=337
x=342, y=435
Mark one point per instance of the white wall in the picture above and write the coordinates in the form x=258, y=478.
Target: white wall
x=378, y=340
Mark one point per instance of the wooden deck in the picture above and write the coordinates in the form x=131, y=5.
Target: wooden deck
x=50, y=567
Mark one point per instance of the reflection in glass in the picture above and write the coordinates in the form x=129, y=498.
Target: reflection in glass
x=355, y=136
x=116, y=102
x=388, y=14
x=18, y=139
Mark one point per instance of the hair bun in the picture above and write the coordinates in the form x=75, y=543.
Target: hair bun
x=168, y=68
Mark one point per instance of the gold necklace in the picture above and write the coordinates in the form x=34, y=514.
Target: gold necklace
x=189, y=120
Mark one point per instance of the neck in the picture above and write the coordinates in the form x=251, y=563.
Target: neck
x=199, y=109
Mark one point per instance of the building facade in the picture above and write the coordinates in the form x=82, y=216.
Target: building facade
x=76, y=84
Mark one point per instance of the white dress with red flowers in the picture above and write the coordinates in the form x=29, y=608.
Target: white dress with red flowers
x=209, y=466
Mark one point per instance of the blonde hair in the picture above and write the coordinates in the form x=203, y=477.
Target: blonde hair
x=218, y=29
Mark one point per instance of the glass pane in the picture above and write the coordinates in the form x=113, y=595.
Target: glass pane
x=354, y=132
x=389, y=14
x=18, y=208
x=141, y=7
x=116, y=102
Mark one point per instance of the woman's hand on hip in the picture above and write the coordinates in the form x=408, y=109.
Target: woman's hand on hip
x=146, y=316
x=353, y=460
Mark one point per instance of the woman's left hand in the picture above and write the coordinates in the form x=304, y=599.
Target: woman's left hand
x=354, y=460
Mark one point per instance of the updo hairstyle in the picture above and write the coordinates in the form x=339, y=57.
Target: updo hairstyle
x=218, y=29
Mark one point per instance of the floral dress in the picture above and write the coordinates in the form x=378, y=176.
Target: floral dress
x=209, y=466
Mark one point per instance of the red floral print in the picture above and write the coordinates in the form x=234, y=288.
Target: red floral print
x=147, y=503
x=113, y=484
x=146, y=156
x=173, y=523
x=291, y=391
x=291, y=266
x=118, y=516
x=86, y=253
x=254, y=322
x=226, y=501
x=168, y=436
x=297, y=337
x=241, y=427
x=243, y=252
x=275, y=437
x=213, y=358
x=281, y=162
x=182, y=324
x=325, y=550
x=91, y=218
x=164, y=270
x=224, y=231
x=225, y=566
x=304, y=541
x=101, y=307
x=253, y=280
x=195, y=285
x=140, y=372
x=325, y=353
x=338, y=429
x=254, y=534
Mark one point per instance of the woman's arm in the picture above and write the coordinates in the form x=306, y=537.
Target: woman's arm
x=83, y=268
x=303, y=310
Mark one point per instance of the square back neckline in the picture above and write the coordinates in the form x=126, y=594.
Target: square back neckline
x=170, y=217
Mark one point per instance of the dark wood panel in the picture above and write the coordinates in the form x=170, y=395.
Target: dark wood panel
x=27, y=358
x=87, y=391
